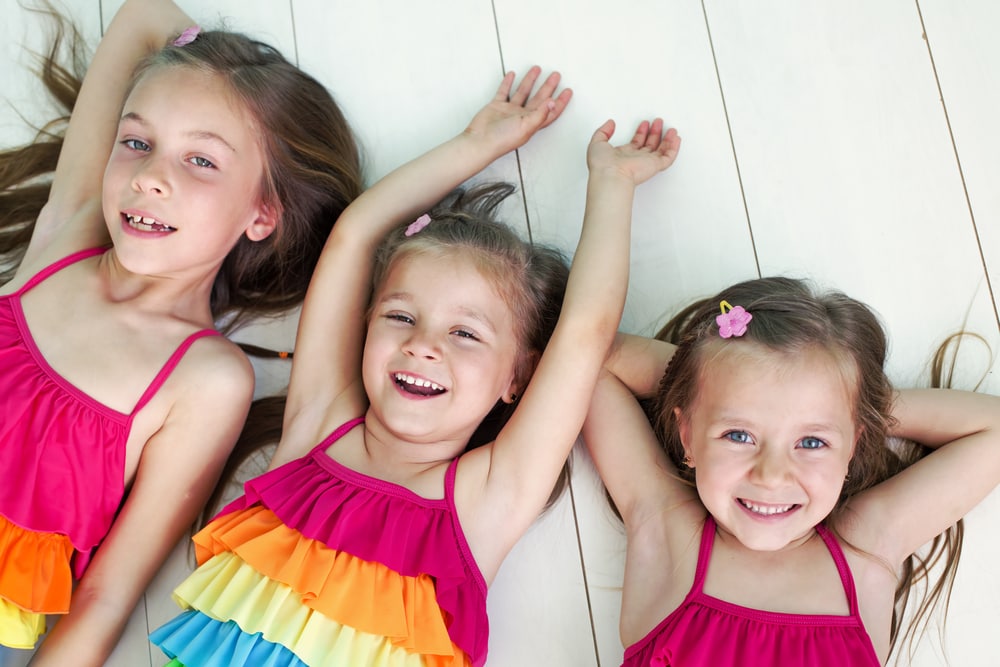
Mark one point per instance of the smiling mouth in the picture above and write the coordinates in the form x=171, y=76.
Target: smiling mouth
x=416, y=386
x=147, y=224
x=766, y=510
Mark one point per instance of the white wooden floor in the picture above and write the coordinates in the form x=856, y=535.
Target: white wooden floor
x=850, y=141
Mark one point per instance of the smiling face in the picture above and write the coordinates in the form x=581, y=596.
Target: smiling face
x=770, y=436
x=183, y=180
x=440, y=350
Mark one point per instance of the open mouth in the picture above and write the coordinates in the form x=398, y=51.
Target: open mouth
x=146, y=224
x=766, y=509
x=417, y=386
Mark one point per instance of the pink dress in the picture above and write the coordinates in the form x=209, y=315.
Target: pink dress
x=708, y=632
x=62, y=463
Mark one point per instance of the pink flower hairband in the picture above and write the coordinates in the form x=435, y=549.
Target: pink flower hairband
x=417, y=225
x=188, y=36
x=733, y=320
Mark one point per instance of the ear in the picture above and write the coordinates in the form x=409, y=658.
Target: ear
x=265, y=224
x=523, y=370
x=684, y=431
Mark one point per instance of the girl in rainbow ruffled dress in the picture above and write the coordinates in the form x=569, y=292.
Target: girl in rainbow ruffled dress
x=183, y=193
x=375, y=535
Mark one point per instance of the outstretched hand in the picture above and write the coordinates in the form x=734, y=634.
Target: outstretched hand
x=510, y=119
x=651, y=150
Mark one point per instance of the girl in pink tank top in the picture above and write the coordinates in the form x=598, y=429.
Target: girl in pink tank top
x=376, y=546
x=119, y=402
x=771, y=415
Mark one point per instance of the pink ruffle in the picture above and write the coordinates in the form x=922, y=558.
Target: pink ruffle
x=382, y=522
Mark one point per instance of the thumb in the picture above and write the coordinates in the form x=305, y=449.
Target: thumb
x=604, y=132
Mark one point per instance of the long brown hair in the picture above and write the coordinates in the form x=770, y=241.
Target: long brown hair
x=789, y=316
x=313, y=166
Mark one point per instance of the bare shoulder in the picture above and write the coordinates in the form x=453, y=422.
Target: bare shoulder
x=215, y=364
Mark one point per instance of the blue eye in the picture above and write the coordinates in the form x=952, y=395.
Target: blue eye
x=136, y=145
x=202, y=162
x=811, y=443
x=740, y=437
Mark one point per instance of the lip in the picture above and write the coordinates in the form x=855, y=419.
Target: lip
x=768, y=512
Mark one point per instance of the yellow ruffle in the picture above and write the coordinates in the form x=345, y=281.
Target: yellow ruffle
x=357, y=593
x=225, y=588
x=19, y=628
x=35, y=569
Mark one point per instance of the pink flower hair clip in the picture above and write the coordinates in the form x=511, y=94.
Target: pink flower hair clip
x=733, y=320
x=417, y=225
x=188, y=36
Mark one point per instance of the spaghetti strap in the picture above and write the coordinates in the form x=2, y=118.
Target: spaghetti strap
x=57, y=266
x=704, y=554
x=337, y=434
x=846, y=578
x=169, y=367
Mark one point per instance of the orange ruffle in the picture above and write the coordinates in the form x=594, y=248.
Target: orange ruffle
x=361, y=594
x=35, y=572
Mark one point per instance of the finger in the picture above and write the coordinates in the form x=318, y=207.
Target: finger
x=547, y=90
x=655, y=134
x=503, y=92
x=523, y=91
x=604, y=132
x=641, y=134
x=557, y=106
x=670, y=145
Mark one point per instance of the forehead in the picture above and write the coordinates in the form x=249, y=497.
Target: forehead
x=193, y=101
x=750, y=380
x=452, y=279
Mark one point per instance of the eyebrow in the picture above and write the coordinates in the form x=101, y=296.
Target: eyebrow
x=472, y=313
x=194, y=134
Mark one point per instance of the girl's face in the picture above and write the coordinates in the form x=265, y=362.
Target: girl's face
x=183, y=180
x=770, y=436
x=440, y=350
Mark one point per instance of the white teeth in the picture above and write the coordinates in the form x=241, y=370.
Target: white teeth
x=416, y=382
x=147, y=224
x=765, y=510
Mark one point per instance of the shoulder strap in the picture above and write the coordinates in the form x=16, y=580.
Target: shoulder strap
x=337, y=434
x=57, y=266
x=846, y=578
x=169, y=367
x=704, y=553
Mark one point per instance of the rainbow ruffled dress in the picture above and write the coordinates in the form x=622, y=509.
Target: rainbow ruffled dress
x=62, y=462
x=320, y=565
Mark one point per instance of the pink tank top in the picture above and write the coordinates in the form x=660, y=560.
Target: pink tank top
x=62, y=453
x=706, y=632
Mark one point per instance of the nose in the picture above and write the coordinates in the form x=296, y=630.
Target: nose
x=771, y=468
x=152, y=176
x=422, y=343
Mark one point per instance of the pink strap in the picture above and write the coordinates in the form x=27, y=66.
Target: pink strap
x=337, y=434
x=846, y=578
x=57, y=266
x=169, y=367
x=704, y=554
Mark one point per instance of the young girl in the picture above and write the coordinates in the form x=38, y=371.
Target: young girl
x=774, y=414
x=376, y=546
x=120, y=401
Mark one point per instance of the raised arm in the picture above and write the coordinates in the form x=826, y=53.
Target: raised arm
x=325, y=383
x=72, y=218
x=530, y=450
x=912, y=507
